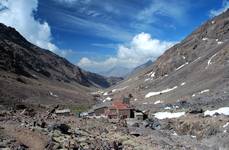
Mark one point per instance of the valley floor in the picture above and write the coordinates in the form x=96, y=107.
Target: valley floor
x=35, y=128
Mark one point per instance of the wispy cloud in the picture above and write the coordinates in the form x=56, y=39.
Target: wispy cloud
x=216, y=12
x=96, y=18
x=91, y=27
x=104, y=20
x=105, y=45
x=173, y=9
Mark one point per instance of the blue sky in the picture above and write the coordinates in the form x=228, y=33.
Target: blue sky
x=100, y=34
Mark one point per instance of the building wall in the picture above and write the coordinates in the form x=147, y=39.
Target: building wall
x=139, y=116
x=120, y=113
x=63, y=114
x=100, y=111
x=125, y=113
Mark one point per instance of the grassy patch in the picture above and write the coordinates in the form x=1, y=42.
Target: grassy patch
x=79, y=108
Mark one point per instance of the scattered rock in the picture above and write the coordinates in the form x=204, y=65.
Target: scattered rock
x=154, y=124
x=195, y=110
x=20, y=107
x=63, y=128
x=22, y=80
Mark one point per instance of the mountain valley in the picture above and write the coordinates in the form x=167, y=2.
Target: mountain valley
x=179, y=101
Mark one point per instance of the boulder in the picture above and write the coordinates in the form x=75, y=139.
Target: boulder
x=63, y=128
x=154, y=124
x=195, y=110
x=20, y=107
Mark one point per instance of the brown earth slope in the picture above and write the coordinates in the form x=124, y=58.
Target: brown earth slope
x=31, y=74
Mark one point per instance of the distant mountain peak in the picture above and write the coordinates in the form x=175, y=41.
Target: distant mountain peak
x=117, y=71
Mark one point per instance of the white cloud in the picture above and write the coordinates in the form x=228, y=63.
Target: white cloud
x=225, y=6
x=142, y=48
x=20, y=15
x=97, y=66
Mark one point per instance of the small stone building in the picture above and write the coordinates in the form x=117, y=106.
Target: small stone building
x=119, y=110
x=138, y=115
x=63, y=112
x=99, y=109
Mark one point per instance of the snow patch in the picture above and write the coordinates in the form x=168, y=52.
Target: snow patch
x=204, y=91
x=182, y=84
x=176, y=107
x=213, y=22
x=220, y=42
x=167, y=108
x=174, y=133
x=107, y=99
x=98, y=92
x=169, y=115
x=222, y=111
x=54, y=95
x=147, y=79
x=150, y=94
x=158, y=102
x=151, y=74
x=115, y=90
x=224, y=126
x=105, y=94
x=183, y=57
x=182, y=66
x=196, y=59
x=204, y=39
x=145, y=103
x=209, y=61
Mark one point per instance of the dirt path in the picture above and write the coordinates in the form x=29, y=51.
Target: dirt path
x=33, y=139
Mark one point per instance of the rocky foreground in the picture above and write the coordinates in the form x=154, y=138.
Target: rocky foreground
x=38, y=128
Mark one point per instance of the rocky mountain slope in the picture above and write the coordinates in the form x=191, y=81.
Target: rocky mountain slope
x=28, y=71
x=141, y=67
x=195, y=70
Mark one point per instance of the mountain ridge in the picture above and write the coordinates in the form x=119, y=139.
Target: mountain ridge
x=26, y=68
